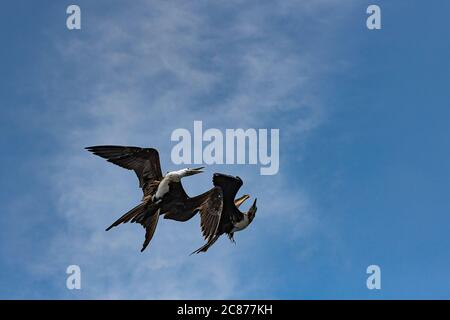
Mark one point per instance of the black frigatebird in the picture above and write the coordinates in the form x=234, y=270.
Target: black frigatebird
x=220, y=212
x=163, y=195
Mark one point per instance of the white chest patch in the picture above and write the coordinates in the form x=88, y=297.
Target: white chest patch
x=164, y=185
x=163, y=188
x=241, y=225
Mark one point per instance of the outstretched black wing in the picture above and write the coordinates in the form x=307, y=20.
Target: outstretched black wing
x=230, y=185
x=210, y=213
x=210, y=217
x=144, y=162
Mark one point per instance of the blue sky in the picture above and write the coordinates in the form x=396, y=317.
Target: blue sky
x=365, y=152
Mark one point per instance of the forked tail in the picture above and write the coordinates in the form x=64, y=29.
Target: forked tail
x=140, y=214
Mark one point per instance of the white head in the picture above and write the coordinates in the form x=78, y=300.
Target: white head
x=177, y=175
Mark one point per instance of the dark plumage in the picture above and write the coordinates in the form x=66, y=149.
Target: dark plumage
x=165, y=195
x=220, y=212
x=174, y=204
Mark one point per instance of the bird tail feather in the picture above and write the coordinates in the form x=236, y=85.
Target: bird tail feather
x=207, y=245
x=138, y=214
x=150, y=228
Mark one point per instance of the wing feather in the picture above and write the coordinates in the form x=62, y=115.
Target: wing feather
x=143, y=161
x=206, y=246
x=210, y=213
x=229, y=184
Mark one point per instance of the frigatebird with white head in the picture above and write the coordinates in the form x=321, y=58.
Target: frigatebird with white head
x=163, y=195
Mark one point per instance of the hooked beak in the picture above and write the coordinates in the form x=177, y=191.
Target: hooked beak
x=241, y=200
x=193, y=171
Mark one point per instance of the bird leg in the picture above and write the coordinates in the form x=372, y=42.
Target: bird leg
x=231, y=237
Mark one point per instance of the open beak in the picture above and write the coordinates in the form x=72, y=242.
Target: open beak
x=193, y=171
x=241, y=200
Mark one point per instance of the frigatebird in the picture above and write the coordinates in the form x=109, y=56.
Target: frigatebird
x=163, y=195
x=220, y=212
